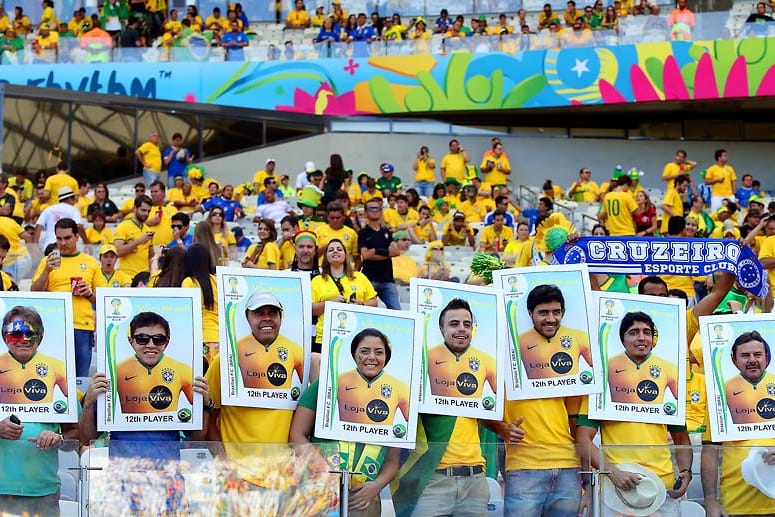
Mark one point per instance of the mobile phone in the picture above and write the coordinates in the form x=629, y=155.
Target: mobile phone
x=15, y=419
x=678, y=482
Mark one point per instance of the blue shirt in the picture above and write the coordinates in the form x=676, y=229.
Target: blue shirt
x=177, y=167
x=444, y=24
x=278, y=194
x=508, y=220
x=188, y=240
x=326, y=35
x=234, y=53
x=229, y=206
x=743, y=194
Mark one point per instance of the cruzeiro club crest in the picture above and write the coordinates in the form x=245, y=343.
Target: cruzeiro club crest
x=386, y=391
x=655, y=371
x=282, y=353
x=41, y=369
x=771, y=389
x=566, y=342
x=473, y=363
x=167, y=375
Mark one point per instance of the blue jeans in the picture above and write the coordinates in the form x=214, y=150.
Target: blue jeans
x=549, y=493
x=84, y=340
x=149, y=177
x=424, y=188
x=388, y=293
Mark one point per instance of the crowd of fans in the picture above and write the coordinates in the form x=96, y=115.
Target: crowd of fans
x=136, y=25
x=360, y=233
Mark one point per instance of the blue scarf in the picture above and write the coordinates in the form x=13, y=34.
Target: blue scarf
x=667, y=256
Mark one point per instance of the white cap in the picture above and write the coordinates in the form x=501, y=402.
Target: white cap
x=270, y=160
x=309, y=166
x=262, y=298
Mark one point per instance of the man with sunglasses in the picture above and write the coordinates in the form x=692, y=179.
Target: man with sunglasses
x=377, y=247
x=232, y=208
x=181, y=237
x=150, y=381
x=29, y=483
x=128, y=206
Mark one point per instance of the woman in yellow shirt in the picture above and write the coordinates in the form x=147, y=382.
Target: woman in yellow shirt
x=265, y=254
x=320, y=17
x=337, y=282
x=199, y=274
x=98, y=233
x=21, y=23
x=298, y=18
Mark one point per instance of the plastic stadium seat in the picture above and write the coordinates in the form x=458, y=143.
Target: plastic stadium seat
x=69, y=488
x=68, y=508
x=692, y=509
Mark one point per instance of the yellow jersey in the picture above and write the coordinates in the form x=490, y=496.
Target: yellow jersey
x=104, y=236
x=246, y=425
x=556, y=357
x=374, y=401
x=144, y=389
x=492, y=241
x=641, y=383
x=670, y=170
x=258, y=180
x=347, y=235
x=548, y=443
x=463, y=448
x=117, y=279
x=31, y=382
x=287, y=254
x=454, y=166
x=463, y=375
x=619, y=206
x=425, y=170
x=138, y=259
x=151, y=156
x=269, y=366
x=496, y=176
x=269, y=255
x=163, y=231
x=640, y=436
x=587, y=192
x=209, y=316
x=12, y=231
x=57, y=181
x=751, y=402
x=696, y=402
x=767, y=251
x=324, y=288
x=393, y=219
x=673, y=200
x=724, y=188
x=78, y=265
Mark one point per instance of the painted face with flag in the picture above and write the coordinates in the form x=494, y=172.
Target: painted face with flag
x=22, y=338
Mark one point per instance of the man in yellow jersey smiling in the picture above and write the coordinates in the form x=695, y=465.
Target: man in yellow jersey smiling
x=751, y=395
x=266, y=359
x=637, y=376
x=149, y=381
x=454, y=368
x=550, y=349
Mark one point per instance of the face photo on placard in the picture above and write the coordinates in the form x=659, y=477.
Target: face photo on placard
x=551, y=333
x=740, y=376
x=462, y=374
x=150, y=346
x=37, y=361
x=265, y=337
x=370, y=376
x=642, y=344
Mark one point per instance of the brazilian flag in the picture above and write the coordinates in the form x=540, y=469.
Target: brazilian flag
x=417, y=467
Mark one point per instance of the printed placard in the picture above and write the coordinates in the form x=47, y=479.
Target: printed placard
x=149, y=344
x=462, y=366
x=37, y=363
x=265, y=336
x=369, y=376
x=548, y=314
x=642, y=343
x=739, y=375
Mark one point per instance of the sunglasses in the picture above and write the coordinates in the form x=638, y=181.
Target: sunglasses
x=374, y=209
x=177, y=226
x=437, y=249
x=217, y=214
x=144, y=339
x=139, y=190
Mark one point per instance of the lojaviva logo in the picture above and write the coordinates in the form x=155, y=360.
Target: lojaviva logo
x=765, y=408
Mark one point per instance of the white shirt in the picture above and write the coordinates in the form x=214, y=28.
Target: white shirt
x=274, y=211
x=302, y=181
x=49, y=217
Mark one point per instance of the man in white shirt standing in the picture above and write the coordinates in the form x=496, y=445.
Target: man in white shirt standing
x=49, y=217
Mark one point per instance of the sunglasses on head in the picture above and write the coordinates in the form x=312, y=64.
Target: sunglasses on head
x=144, y=339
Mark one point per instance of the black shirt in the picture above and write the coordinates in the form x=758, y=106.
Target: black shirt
x=376, y=270
x=130, y=37
x=107, y=206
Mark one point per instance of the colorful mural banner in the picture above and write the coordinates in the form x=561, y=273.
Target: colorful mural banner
x=460, y=81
